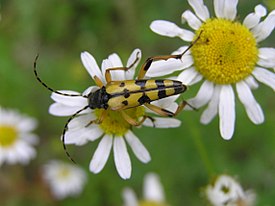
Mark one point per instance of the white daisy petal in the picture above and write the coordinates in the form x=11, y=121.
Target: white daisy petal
x=187, y=75
x=211, y=111
x=181, y=50
x=115, y=60
x=62, y=110
x=152, y=188
x=203, y=96
x=253, y=109
x=251, y=82
x=129, y=197
x=136, y=54
x=266, y=57
x=162, y=122
x=138, y=148
x=191, y=19
x=101, y=154
x=196, y=79
x=122, y=159
x=265, y=76
x=252, y=19
x=230, y=9
x=166, y=28
x=227, y=112
x=91, y=66
x=219, y=8
x=162, y=67
x=67, y=100
x=200, y=9
x=264, y=29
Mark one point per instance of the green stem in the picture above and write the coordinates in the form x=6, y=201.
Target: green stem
x=196, y=136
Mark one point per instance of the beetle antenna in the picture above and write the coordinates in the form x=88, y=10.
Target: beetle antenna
x=66, y=128
x=46, y=86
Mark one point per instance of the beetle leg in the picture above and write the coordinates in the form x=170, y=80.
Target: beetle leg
x=98, y=81
x=99, y=119
x=164, y=112
x=108, y=71
x=132, y=121
x=145, y=67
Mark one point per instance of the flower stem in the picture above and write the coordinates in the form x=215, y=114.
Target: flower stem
x=196, y=136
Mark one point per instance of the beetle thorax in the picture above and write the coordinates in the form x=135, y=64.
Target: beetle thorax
x=98, y=99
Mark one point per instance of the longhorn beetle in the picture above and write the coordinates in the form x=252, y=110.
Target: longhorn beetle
x=122, y=95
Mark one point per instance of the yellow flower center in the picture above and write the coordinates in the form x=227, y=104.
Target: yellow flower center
x=64, y=172
x=226, y=52
x=115, y=124
x=8, y=135
x=151, y=203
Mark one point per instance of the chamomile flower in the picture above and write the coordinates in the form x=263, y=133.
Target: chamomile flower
x=114, y=131
x=226, y=55
x=16, y=137
x=226, y=191
x=64, y=179
x=153, y=194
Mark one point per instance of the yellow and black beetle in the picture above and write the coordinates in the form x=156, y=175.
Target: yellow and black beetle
x=122, y=95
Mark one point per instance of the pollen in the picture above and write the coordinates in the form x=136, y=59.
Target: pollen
x=8, y=135
x=226, y=51
x=115, y=124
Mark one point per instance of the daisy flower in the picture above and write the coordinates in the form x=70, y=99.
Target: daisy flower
x=16, y=137
x=225, y=55
x=64, y=179
x=153, y=193
x=225, y=191
x=114, y=131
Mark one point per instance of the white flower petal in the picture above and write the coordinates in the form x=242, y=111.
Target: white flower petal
x=91, y=66
x=195, y=80
x=162, y=122
x=265, y=76
x=166, y=28
x=266, y=57
x=219, y=8
x=252, y=19
x=162, y=67
x=152, y=188
x=101, y=154
x=187, y=75
x=211, y=111
x=181, y=50
x=62, y=110
x=264, y=29
x=253, y=109
x=227, y=112
x=129, y=197
x=70, y=101
x=200, y=9
x=203, y=96
x=230, y=9
x=115, y=60
x=191, y=19
x=122, y=159
x=136, y=54
x=138, y=148
x=251, y=82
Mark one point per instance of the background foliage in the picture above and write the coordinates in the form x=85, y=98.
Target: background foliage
x=59, y=31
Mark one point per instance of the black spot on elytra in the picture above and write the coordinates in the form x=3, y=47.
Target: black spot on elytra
x=144, y=99
x=126, y=93
x=141, y=83
x=122, y=84
x=125, y=102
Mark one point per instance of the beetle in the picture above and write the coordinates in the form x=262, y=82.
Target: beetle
x=122, y=95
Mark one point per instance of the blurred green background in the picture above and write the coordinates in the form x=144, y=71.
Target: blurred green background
x=59, y=30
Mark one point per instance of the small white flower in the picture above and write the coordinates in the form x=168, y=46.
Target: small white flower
x=225, y=55
x=64, y=179
x=226, y=191
x=16, y=137
x=114, y=131
x=153, y=193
